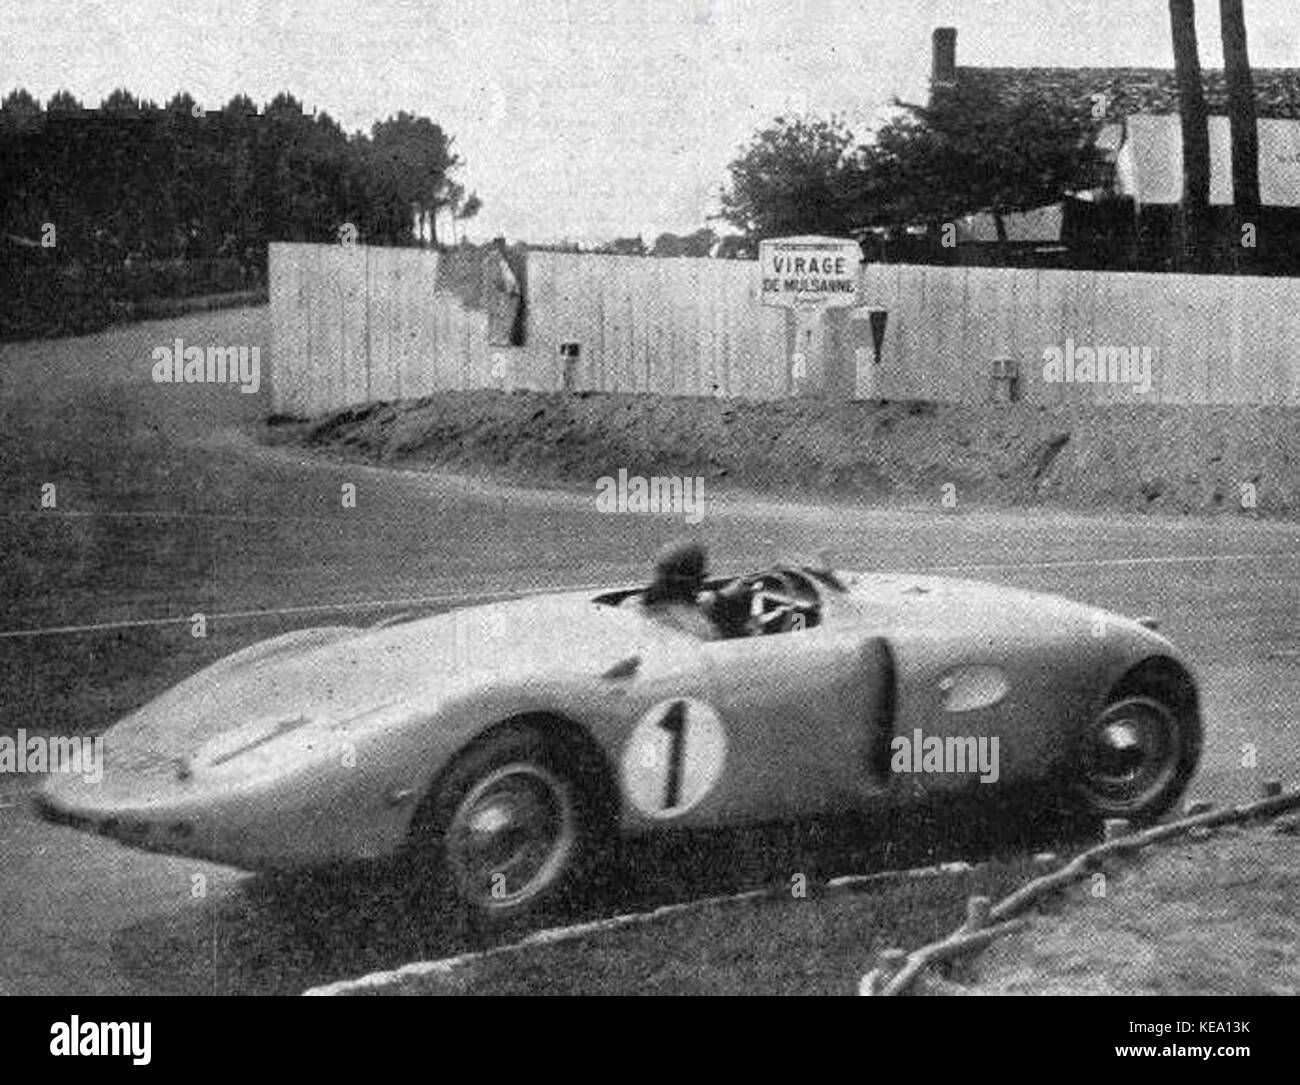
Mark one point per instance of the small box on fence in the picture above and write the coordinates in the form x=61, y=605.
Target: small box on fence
x=1004, y=384
x=569, y=356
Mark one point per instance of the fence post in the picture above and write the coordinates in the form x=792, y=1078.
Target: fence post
x=977, y=913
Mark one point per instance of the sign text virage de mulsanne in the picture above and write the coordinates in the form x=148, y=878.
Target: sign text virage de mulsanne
x=809, y=271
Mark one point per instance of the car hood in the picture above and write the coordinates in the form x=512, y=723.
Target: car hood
x=335, y=674
x=972, y=608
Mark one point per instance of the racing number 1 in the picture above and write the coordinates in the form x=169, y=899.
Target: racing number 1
x=674, y=722
x=665, y=779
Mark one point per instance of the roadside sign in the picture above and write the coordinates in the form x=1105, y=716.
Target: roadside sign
x=807, y=276
x=809, y=272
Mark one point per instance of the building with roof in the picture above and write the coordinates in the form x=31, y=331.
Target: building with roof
x=1126, y=214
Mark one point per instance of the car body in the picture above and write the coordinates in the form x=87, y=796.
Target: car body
x=572, y=716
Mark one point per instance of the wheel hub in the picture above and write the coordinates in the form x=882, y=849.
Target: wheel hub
x=1130, y=753
x=511, y=836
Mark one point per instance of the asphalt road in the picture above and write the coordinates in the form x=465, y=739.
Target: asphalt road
x=166, y=507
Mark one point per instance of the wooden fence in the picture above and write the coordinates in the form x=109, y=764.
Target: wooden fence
x=1212, y=339
x=354, y=324
x=681, y=326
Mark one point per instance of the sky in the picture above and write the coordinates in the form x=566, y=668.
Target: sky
x=585, y=119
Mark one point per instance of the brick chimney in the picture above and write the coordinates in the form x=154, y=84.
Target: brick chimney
x=943, y=72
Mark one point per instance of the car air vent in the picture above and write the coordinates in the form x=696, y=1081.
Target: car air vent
x=879, y=660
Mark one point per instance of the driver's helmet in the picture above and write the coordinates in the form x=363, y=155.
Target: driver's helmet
x=679, y=575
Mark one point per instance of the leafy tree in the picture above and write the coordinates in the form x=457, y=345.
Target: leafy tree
x=698, y=244
x=965, y=152
x=791, y=180
x=130, y=180
x=471, y=206
x=19, y=103
x=735, y=247
x=63, y=102
x=19, y=113
x=626, y=246
x=181, y=104
x=241, y=106
x=414, y=161
x=121, y=101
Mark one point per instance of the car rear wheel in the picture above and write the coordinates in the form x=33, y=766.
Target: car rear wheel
x=511, y=828
x=1136, y=757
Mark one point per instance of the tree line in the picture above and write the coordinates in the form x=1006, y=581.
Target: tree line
x=132, y=180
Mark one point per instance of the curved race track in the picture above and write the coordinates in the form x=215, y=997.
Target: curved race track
x=167, y=508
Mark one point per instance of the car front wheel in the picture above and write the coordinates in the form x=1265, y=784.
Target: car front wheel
x=511, y=828
x=1136, y=757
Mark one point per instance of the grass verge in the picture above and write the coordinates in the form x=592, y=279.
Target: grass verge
x=815, y=945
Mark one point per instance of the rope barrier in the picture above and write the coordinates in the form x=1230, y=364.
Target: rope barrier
x=895, y=971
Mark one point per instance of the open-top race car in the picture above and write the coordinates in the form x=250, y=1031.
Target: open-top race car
x=496, y=747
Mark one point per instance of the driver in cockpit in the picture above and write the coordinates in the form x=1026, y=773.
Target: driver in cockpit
x=677, y=597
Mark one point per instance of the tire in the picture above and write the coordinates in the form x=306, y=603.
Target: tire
x=510, y=831
x=1137, y=756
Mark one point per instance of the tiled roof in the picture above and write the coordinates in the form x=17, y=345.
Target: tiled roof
x=1133, y=90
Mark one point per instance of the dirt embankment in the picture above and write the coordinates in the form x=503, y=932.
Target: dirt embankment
x=1235, y=460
